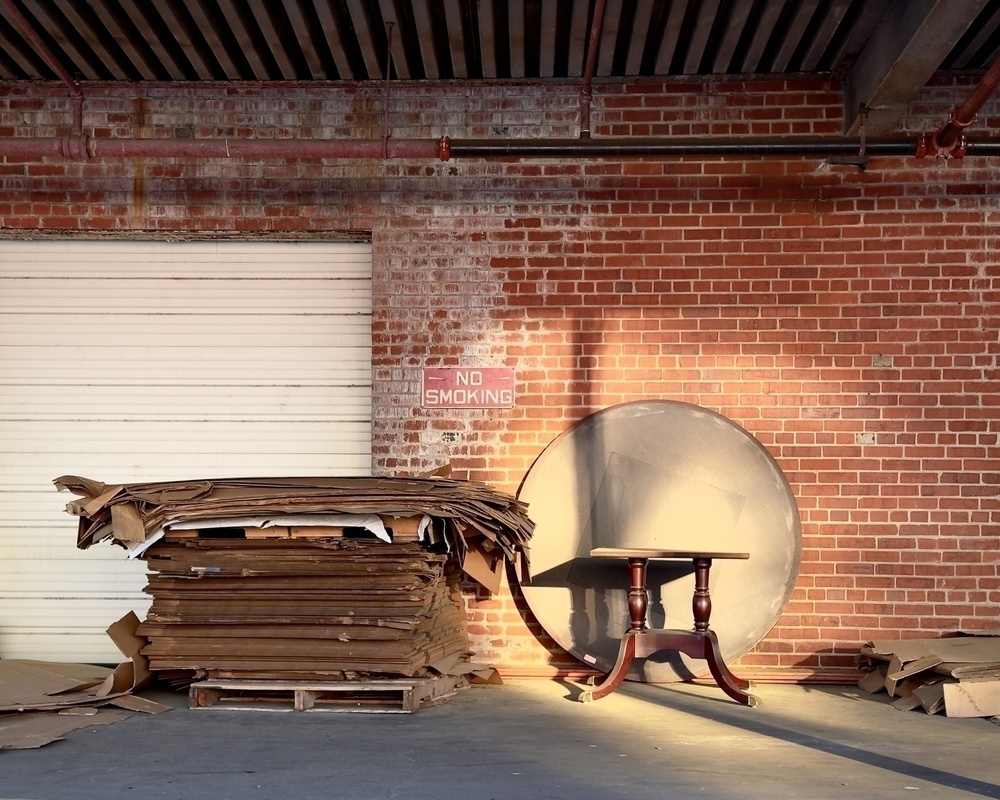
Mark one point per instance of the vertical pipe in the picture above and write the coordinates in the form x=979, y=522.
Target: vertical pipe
x=596, y=27
x=949, y=139
x=385, y=99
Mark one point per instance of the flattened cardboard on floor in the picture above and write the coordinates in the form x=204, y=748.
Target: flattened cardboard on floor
x=23, y=681
x=35, y=729
x=40, y=701
x=960, y=670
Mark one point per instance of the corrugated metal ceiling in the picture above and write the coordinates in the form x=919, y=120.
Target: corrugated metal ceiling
x=329, y=40
x=882, y=51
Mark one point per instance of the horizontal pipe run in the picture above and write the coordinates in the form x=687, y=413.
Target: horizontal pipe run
x=818, y=147
x=444, y=149
x=88, y=147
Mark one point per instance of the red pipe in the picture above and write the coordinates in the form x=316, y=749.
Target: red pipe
x=87, y=147
x=949, y=140
x=596, y=27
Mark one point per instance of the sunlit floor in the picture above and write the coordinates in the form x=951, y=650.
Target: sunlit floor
x=528, y=739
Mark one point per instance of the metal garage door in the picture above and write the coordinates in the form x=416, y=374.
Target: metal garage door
x=129, y=361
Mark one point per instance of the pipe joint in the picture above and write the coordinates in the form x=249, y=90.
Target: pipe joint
x=946, y=142
x=958, y=122
x=444, y=148
x=77, y=147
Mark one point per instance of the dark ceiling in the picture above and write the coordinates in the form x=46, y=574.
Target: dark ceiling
x=884, y=51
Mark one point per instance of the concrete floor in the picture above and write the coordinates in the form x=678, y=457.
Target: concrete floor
x=528, y=739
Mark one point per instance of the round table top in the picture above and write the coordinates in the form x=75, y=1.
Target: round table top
x=668, y=477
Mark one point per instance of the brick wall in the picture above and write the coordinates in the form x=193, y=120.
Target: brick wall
x=846, y=318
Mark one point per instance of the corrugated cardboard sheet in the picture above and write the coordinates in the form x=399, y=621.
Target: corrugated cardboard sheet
x=958, y=675
x=41, y=700
x=472, y=515
x=286, y=578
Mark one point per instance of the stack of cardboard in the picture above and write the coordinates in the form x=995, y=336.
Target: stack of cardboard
x=296, y=578
x=957, y=675
x=292, y=609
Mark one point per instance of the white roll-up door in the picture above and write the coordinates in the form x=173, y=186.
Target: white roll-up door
x=127, y=361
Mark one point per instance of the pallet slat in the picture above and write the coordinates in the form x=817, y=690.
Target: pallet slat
x=386, y=696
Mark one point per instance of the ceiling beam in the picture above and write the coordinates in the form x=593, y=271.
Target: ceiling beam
x=903, y=53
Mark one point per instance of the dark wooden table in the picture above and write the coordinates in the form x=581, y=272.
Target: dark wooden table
x=641, y=641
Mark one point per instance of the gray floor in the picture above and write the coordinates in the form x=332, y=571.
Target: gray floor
x=528, y=739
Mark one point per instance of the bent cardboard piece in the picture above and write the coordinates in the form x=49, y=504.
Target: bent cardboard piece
x=29, y=688
x=874, y=681
x=134, y=673
x=914, y=667
x=34, y=729
x=483, y=566
x=41, y=680
x=931, y=697
x=132, y=702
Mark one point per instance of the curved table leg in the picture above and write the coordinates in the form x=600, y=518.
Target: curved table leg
x=611, y=681
x=714, y=656
x=736, y=688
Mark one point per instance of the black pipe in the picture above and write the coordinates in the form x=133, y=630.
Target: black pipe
x=820, y=147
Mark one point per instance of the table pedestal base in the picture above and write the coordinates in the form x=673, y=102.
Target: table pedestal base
x=642, y=642
x=696, y=644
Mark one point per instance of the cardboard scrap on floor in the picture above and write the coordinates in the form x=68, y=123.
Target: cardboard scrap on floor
x=958, y=675
x=40, y=701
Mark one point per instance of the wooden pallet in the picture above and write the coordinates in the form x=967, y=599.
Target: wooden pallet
x=387, y=696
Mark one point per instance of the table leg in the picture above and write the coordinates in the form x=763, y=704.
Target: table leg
x=638, y=601
x=611, y=681
x=736, y=688
x=701, y=602
x=638, y=598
